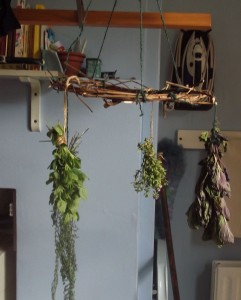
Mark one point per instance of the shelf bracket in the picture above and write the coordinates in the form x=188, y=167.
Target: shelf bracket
x=35, y=116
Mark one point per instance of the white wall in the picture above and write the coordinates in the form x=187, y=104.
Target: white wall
x=115, y=227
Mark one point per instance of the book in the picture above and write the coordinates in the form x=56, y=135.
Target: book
x=26, y=42
x=37, y=36
x=3, y=45
x=19, y=66
x=18, y=51
x=27, y=37
x=21, y=3
x=19, y=33
x=10, y=44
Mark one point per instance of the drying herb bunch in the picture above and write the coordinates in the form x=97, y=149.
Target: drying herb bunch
x=209, y=209
x=152, y=175
x=67, y=179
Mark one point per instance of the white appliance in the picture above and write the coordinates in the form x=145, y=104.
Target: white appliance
x=2, y=274
x=162, y=271
x=226, y=280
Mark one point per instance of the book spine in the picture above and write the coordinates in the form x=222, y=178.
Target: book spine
x=20, y=34
x=3, y=45
x=19, y=42
x=30, y=41
x=11, y=38
x=21, y=3
x=37, y=36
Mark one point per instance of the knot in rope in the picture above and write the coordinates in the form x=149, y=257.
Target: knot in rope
x=61, y=140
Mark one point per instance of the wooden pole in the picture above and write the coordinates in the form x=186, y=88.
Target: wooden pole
x=170, y=250
x=80, y=11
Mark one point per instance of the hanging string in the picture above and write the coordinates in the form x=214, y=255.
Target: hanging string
x=103, y=41
x=143, y=98
x=66, y=113
x=67, y=119
x=66, y=106
x=215, y=116
x=168, y=42
x=140, y=96
x=152, y=122
x=141, y=44
x=66, y=98
x=81, y=27
x=69, y=82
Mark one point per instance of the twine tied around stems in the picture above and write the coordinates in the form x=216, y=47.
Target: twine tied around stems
x=61, y=140
x=64, y=139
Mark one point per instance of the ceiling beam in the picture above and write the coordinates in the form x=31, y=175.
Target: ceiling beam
x=120, y=19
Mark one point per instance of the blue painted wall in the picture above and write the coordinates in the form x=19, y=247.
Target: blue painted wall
x=194, y=257
x=116, y=225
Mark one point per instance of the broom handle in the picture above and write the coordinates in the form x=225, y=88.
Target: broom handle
x=170, y=250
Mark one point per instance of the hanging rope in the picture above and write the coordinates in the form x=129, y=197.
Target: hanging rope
x=140, y=96
x=104, y=38
x=67, y=118
x=66, y=106
x=82, y=25
x=141, y=44
x=152, y=122
x=215, y=117
x=78, y=36
x=168, y=41
x=142, y=93
x=70, y=85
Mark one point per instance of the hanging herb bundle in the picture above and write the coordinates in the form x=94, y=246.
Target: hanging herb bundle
x=209, y=209
x=152, y=175
x=67, y=179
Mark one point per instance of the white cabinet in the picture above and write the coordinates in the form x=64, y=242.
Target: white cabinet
x=226, y=280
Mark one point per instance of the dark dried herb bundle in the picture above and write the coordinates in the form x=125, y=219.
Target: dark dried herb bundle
x=209, y=209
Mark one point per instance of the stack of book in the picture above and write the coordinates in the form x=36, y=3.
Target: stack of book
x=22, y=48
x=20, y=63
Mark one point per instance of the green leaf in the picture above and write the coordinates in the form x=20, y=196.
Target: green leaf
x=67, y=218
x=58, y=129
x=67, y=179
x=62, y=206
x=74, y=206
x=152, y=175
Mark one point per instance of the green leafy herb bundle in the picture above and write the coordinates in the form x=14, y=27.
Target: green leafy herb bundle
x=152, y=175
x=68, y=189
x=209, y=209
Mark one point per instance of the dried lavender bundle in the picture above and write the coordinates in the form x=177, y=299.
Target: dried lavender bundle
x=209, y=209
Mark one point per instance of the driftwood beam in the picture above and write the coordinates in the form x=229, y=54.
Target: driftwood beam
x=90, y=88
x=120, y=19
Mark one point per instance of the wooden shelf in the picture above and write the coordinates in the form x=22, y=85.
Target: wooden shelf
x=120, y=19
x=36, y=74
